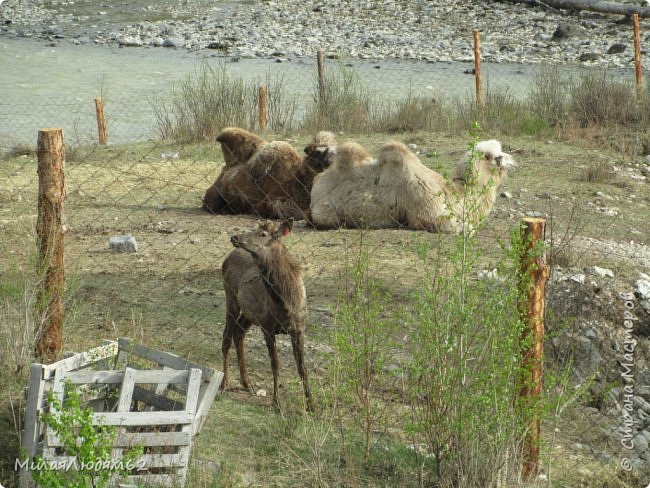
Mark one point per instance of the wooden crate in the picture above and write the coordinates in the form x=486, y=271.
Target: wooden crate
x=155, y=399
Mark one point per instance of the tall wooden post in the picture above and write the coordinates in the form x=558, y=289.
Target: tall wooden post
x=321, y=75
x=263, y=107
x=101, y=121
x=533, y=277
x=477, y=70
x=50, y=228
x=637, y=56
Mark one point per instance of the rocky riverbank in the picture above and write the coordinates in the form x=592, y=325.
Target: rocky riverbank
x=429, y=31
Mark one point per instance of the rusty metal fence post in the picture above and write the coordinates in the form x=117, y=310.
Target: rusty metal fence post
x=533, y=277
x=50, y=229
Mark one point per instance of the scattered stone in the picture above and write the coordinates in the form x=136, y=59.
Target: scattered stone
x=617, y=48
x=125, y=243
x=260, y=393
x=169, y=155
x=598, y=271
x=535, y=214
x=643, y=288
x=562, y=32
x=584, y=57
x=578, y=278
x=506, y=194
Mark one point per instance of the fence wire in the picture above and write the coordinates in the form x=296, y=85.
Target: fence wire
x=169, y=293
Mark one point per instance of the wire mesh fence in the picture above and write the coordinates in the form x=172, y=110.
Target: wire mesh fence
x=169, y=293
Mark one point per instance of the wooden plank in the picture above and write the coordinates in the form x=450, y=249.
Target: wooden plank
x=165, y=376
x=206, y=397
x=126, y=392
x=144, y=418
x=154, y=401
x=162, y=358
x=193, y=388
x=33, y=408
x=81, y=360
x=58, y=390
x=171, y=461
x=158, y=480
x=130, y=439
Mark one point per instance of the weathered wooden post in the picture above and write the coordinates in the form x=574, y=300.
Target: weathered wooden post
x=477, y=70
x=321, y=75
x=637, y=56
x=101, y=121
x=533, y=277
x=50, y=228
x=263, y=107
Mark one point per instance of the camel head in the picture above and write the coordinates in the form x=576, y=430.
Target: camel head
x=494, y=156
x=488, y=158
x=320, y=152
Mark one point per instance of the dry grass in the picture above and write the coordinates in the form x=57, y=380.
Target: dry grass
x=169, y=294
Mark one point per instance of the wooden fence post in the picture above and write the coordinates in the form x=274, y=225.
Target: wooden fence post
x=637, y=56
x=533, y=277
x=101, y=121
x=321, y=75
x=263, y=107
x=50, y=228
x=477, y=70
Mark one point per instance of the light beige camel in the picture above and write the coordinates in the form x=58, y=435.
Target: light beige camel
x=397, y=190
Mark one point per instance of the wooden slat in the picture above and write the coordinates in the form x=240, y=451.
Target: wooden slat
x=144, y=418
x=33, y=408
x=130, y=439
x=155, y=401
x=154, y=376
x=158, y=480
x=193, y=387
x=81, y=360
x=126, y=391
x=206, y=397
x=162, y=358
x=150, y=460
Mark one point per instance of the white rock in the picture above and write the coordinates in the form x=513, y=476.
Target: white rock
x=643, y=288
x=598, y=271
x=125, y=243
x=578, y=278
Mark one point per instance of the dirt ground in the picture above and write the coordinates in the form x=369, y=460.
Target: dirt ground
x=169, y=293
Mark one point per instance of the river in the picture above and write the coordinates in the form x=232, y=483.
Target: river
x=54, y=85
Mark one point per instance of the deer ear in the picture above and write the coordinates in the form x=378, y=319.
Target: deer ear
x=286, y=227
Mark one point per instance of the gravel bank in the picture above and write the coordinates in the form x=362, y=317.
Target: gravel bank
x=419, y=30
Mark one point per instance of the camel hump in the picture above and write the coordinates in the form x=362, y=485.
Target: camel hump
x=395, y=154
x=238, y=145
x=350, y=154
x=274, y=158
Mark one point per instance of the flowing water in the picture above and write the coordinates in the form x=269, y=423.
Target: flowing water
x=44, y=85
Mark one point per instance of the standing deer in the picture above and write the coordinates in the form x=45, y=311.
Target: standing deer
x=264, y=286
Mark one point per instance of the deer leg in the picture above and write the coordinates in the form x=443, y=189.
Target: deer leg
x=226, y=342
x=269, y=337
x=298, y=346
x=241, y=327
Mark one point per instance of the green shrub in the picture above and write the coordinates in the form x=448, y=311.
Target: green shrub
x=89, y=444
